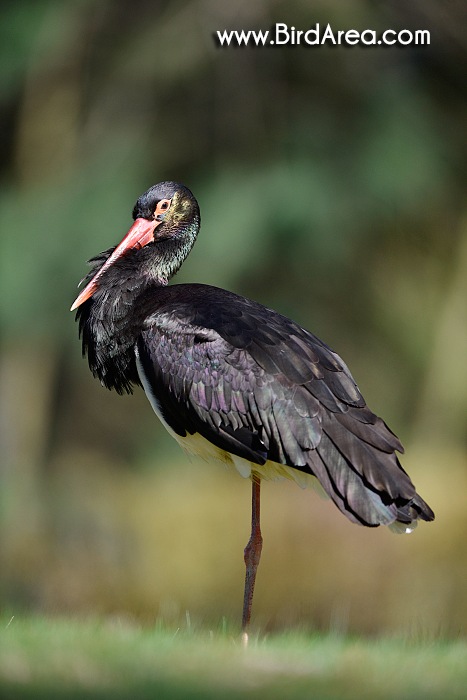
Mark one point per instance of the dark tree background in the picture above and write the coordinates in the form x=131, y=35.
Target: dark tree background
x=332, y=186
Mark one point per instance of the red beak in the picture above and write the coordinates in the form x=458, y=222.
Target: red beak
x=139, y=235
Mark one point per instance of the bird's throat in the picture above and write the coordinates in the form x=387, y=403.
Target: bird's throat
x=113, y=318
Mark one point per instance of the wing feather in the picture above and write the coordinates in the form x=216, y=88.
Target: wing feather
x=257, y=385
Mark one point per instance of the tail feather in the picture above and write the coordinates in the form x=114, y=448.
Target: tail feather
x=367, y=483
x=381, y=471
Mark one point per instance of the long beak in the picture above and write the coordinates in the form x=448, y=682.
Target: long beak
x=139, y=235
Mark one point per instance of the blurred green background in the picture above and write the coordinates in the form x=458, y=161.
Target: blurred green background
x=331, y=182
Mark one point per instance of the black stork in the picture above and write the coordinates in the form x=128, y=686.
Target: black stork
x=233, y=380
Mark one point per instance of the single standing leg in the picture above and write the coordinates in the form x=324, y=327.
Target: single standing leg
x=252, y=555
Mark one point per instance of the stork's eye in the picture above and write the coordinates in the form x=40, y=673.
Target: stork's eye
x=162, y=207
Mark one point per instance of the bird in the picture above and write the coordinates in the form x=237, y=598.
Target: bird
x=235, y=381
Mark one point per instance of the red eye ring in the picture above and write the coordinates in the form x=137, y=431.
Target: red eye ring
x=162, y=206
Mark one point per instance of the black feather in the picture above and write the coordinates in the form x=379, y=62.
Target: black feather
x=251, y=381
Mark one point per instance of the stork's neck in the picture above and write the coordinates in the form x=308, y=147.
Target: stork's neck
x=112, y=320
x=164, y=258
x=151, y=266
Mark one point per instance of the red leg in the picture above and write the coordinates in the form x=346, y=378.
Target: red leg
x=252, y=555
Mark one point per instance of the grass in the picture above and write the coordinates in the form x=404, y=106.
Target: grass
x=69, y=658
